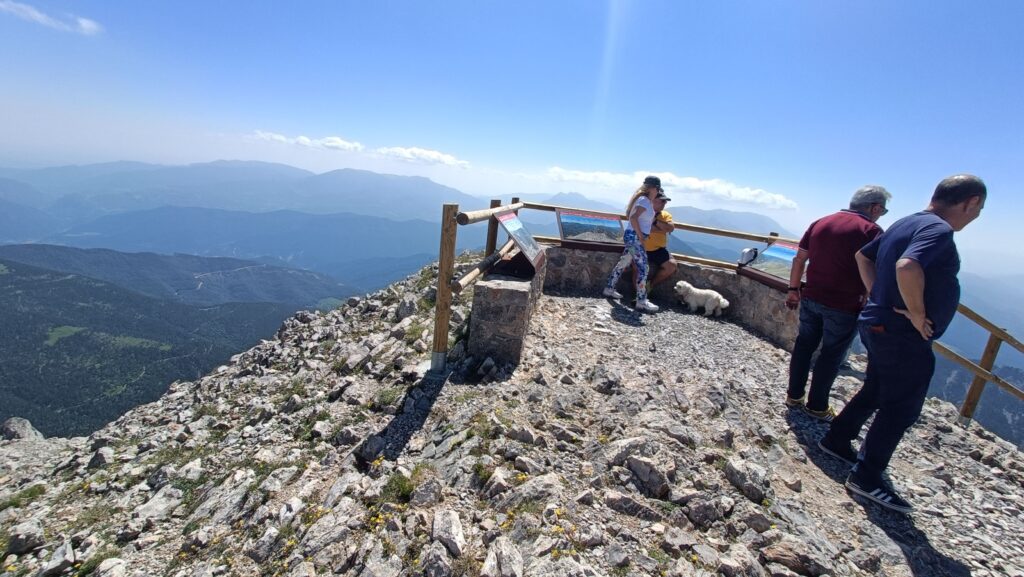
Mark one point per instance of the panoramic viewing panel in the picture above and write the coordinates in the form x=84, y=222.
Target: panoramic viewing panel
x=581, y=225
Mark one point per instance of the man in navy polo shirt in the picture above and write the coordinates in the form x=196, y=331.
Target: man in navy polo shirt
x=832, y=298
x=911, y=274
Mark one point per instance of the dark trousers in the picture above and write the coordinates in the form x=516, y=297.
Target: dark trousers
x=900, y=367
x=834, y=330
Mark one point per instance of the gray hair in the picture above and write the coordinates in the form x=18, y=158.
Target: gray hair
x=868, y=195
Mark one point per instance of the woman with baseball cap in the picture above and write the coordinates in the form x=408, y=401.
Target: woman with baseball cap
x=641, y=216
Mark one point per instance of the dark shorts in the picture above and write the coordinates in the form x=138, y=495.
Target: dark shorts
x=659, y=256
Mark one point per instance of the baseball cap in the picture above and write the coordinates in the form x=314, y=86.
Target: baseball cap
x=661, y=195
x=652, y=181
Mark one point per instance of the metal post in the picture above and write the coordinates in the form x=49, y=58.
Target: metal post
x=443, y=300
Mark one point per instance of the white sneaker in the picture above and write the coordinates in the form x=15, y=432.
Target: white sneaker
x=646, y=306
x=612, y=293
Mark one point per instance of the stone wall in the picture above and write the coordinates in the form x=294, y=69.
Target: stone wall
x=502, y=307
x=753, y=305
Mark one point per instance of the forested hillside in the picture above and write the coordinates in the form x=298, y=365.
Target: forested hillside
x=77, y=352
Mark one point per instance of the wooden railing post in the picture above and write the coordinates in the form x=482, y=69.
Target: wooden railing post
x=443, y=300
x=492, y=230
x=988, y=360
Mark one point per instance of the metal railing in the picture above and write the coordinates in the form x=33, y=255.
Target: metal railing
x=451, y=217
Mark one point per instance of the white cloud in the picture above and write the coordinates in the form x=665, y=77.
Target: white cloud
x=422, y=155
x=69, y=23
x=675, y=184
x=327, y=143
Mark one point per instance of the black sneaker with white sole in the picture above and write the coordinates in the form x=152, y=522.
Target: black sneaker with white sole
x=841, y=451
x=880, y=493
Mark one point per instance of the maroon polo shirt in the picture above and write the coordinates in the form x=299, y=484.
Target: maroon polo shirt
x=831, y=243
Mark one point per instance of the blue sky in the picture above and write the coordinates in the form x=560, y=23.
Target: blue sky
x=781, y=108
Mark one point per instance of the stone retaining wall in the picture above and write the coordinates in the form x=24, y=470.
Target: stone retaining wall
x=503, y=304
x=751, y=304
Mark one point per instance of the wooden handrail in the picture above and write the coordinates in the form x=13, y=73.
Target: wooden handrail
x=483, y=266
x=767, y=238
x=974, y=368
x=987, y=325
x=465, y=218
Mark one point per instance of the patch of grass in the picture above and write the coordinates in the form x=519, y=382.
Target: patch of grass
x=466, y=396
x=93, y=516
x=660, y=556
x=90, y=566
x=412, y=334
x=397, y=490
x=190, y=493
x=58, y=333
x=305, y=432
x=387, y=397
x=207, y=410
x=22, y=498
x=479, y=426
x=421, y=472
x=483, y=472
x=466, y=566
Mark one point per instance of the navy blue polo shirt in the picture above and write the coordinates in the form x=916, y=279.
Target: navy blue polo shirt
x=927, y=239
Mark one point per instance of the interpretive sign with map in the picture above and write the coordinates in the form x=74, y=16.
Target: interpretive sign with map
x=522, y=237
x=776, y=260
x=583, y=226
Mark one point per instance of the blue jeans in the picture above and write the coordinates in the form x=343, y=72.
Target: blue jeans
x=833, y=329
x=900, y=367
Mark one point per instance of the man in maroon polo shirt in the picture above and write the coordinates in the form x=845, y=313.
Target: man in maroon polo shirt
x=832, y=298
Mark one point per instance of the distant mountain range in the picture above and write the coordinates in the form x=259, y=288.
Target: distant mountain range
x=184, y=278
x=338, y=245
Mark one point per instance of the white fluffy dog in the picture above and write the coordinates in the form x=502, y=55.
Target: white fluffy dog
x=695, y=298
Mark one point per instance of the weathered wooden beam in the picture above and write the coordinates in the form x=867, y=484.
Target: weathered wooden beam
x=483, y=266
x=443, y=299
x=465, y=218
x=492, y=230
x=769, y=238
x=974, y=368
x=704, y=261
x=987, y=325
x=988, y=360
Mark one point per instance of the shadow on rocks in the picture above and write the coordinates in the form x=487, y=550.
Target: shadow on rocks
x=922, y=558
x=808, y=431
x=624, y=314
x=390, y=441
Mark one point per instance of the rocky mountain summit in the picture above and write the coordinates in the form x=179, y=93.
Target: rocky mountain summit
x=621, y=445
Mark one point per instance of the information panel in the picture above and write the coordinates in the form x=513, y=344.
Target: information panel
x=522, y=237
x=776, y=260
x=583, y=226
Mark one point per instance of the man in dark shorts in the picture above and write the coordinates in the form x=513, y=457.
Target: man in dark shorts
x=656, y=244
x=911, y=274
x=832, y=297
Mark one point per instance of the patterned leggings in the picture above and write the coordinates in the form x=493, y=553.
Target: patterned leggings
x=634, y=253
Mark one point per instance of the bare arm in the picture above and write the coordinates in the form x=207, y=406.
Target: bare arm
x=867, y=270
x=663, y=226
x=910, y=280
x=796, y=275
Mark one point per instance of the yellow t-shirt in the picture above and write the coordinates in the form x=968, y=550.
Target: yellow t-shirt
x=657, y=239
